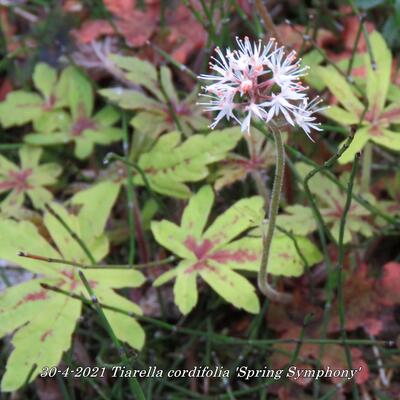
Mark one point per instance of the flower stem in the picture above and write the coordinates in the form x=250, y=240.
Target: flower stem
x=366, y=168
x=266, y=17
x=268, y=232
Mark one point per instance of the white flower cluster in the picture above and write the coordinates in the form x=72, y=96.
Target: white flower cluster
x=262, y=82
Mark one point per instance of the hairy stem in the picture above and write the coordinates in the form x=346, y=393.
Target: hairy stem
x=268, y=232
x=366, y=168
x=266, y=17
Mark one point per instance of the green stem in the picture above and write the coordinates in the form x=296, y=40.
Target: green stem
x=340, y=283
x=113, y=156
x=133, y=382
x=216, y=337
x=97, y=266
x=268, y=232
x=72, y=233
x=130, y=194
x=366, y=168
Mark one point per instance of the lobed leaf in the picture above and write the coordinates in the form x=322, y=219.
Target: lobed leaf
x=341, y=90
x=231, y=286
x=169, y=164
x=378, y=79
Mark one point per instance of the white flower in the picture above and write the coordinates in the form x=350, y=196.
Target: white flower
x=221, y=66
x=249, y=56
x=304, y=115
x=279, y=105
x=224, y=105
x=284, y=69
x=261, y=82
x=251, y=109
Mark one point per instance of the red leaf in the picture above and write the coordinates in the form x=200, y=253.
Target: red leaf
x=91, y=30
x=119, y=8
x=134, y=25
x=334, y=359
x=391, y=284
x=362, y=305
x=5, y=88
x=186, y=34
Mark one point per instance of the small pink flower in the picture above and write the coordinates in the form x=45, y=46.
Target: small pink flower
x=260, y=81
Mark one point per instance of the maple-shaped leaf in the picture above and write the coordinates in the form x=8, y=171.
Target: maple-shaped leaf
x=297, y=219
x=44, y=108
x=28, y=179
x=215, y=253
x=377, y=122
x=332, y=199
x=81, y=126
x=155, y=115
x=44, y=320
x=210, y=254
x=170, y=163
x=236, y=167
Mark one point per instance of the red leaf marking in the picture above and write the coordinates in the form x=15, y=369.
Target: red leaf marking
x=41, y=295
x=17, y=180
x=48, y=106
x=82, y=124
x=376, y=130
x=46, y=334
x=239, y=256
x=200, y=250
x=387, y=116
x=285, y=255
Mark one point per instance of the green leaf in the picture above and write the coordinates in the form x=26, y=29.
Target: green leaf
x=130, y=99
x=197, y=211
x=298, y=220
x=107, y=116
x=45, y=78
x=388, y=139
x=169, y=164
x=46, y=320
x=126, y=329
x=29, y=179
x=231, y=286
x=171, y=237
x=167, y=84
x=285, y=259
x=214, y=256
x=341, y=89
x=151, y=124
x=20, y=108
x=341, y=116
x=46, y=138
x=391, y=114
x=95, y=218
x=243, y=254
x=42, y=341
x=17, y=236
x=313, y=59
x=331, y=200
x=232, y=222
x=185, y=288
x=81, y=99
x=378, y=80
x=361, y=137
x=139, y=71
